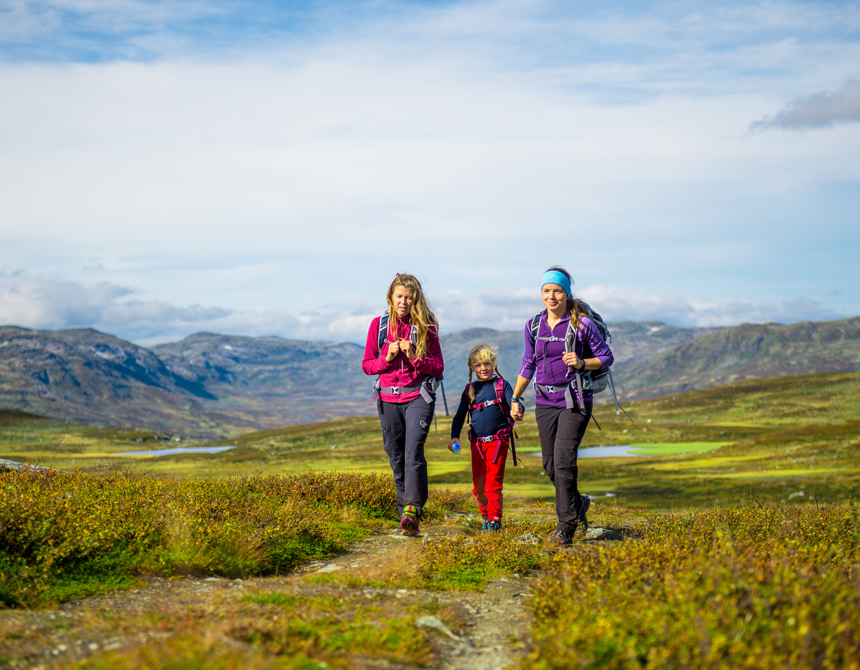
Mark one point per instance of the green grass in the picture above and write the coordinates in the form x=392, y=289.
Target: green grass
x=743, y=507
x=781, y=435
x=665, y=448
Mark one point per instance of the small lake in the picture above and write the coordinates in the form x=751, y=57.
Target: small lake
x=605, y=452
x=178, y=450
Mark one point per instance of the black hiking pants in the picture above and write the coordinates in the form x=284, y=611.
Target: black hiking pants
x=404, y=430
x=561, y=430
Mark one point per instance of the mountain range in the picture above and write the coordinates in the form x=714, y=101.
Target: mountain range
x=210, y=385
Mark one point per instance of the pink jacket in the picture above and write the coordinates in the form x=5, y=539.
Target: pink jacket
x=401, y=371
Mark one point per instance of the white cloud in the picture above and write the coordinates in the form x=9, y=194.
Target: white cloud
x=418, y=137
x=617, y=303
x=49, y=303
x=821, y=110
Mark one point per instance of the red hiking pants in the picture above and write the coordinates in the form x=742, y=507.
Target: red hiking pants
x=488, y=477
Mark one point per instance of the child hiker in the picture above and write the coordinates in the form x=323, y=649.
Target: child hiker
x=487, y=402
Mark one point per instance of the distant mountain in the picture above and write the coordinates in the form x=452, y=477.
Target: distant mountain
x=631, y=342
x=229, y=365
x=86, y=376
x=744, y=352
x=211, y=385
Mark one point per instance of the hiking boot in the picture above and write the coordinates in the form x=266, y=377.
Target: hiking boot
x=409, y=521
x=583, y=520
x=562, y=538
x=493, y=526
x=484, y=528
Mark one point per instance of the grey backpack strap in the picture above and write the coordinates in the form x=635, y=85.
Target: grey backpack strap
x=568, y=396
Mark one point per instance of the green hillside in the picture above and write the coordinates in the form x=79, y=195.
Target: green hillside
x=745, y=352
x=769, y=438
x=734, y=543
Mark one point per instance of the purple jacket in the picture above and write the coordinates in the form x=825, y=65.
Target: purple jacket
x=401, y=371
x=589, y=344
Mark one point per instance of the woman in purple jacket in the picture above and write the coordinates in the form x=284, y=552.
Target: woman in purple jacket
x=562, y=415
x=407, y=359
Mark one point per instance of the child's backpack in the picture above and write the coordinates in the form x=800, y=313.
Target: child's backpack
x=596, y=380
x=500, y=400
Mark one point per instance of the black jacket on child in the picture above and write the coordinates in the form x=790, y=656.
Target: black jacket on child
x=487, y=421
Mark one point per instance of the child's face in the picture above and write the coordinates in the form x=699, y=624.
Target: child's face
x=484, y=371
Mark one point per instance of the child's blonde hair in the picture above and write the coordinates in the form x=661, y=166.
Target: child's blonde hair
x=481, y=353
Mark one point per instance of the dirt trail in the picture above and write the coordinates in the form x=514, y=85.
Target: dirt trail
x=494, y=622
x=487, y=630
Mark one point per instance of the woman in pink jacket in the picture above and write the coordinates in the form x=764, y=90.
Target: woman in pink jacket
x=403, y=349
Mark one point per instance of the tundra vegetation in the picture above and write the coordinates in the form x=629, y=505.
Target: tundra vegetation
x=741, y=549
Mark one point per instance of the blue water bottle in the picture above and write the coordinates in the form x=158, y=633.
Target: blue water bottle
x=456, y=448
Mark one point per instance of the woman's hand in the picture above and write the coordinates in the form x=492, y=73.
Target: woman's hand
x=572, y=360
x=393, y=350
x=517, y=411
x=406, y=348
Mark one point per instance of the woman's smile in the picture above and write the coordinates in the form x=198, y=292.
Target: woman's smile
x=553, y=296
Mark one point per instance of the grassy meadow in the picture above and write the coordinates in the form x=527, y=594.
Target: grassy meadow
x=740, y=518
x=770, y=440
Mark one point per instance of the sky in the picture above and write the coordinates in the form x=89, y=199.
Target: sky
x=266, y=168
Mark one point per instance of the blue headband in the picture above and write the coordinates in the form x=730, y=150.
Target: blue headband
x=556, y=277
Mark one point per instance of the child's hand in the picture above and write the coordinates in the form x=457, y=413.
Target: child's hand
x=451, y=444
x=517, y=411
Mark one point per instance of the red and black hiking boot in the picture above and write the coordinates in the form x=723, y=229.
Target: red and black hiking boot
x=409, y=521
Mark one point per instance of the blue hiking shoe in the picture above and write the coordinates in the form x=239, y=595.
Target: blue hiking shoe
x=409, y=521
x=493, y=526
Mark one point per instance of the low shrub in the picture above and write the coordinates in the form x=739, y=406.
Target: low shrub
x=63, y=535
x=772, y=587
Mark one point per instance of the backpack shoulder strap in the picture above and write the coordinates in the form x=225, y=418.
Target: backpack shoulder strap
x=500, y=396
x=570, y=338
x=535, y=326
x=383, y=332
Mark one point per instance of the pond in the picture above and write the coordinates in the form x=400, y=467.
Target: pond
x=604, y=452
x=177, y=450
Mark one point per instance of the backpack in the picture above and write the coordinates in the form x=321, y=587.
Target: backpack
x=503, y=408
x=382, y=338
x=596, y=380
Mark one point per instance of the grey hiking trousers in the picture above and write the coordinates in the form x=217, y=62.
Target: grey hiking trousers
x=561, y=430
x=404, y=430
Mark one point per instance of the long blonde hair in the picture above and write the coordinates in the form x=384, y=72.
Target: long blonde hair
x=574, y=305
x=421, y=315
x=481, y=353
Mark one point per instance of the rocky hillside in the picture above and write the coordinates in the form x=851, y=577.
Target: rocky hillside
x=744, y=352
x=230, y=365
x=631, y=342
x=87, y=376
x=211, y=385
